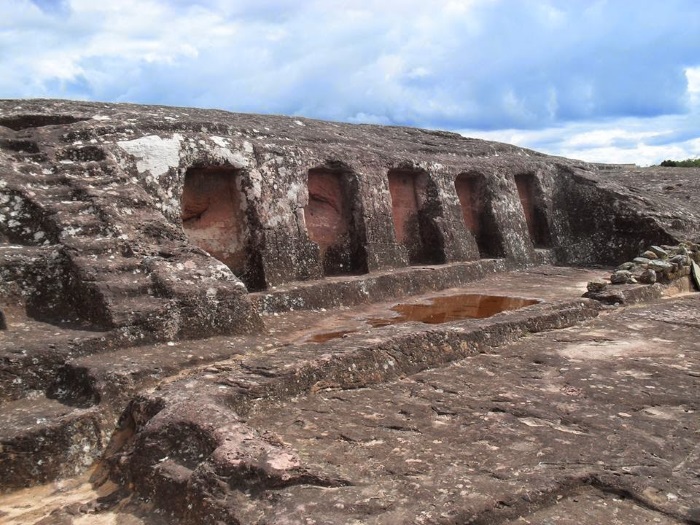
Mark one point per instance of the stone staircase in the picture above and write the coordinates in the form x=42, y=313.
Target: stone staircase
x=109, y=231
x=83, y=291
x=44, y=439
x=63, y=429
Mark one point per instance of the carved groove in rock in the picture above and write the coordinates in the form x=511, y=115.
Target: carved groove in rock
x=20, y=122
x=470, y=201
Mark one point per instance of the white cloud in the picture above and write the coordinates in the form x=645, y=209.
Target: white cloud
x=624, y=141
x=693, y=76
x=581, y=72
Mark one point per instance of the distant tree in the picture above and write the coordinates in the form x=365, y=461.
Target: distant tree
x=687, y=163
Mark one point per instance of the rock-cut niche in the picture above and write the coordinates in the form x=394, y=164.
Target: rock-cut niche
x=474, y=203
x=409, y=205
x=213, y=215
x=330, y=220
x=537, y=225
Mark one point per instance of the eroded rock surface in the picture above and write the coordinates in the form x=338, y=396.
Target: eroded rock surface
x=121, y=196
x=252, y=319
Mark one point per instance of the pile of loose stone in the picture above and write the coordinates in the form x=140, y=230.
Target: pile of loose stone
x=662, y=264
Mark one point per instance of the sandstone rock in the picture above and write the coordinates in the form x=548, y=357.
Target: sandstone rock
x=660, y=252
x=660, y=266
x=669, y=263
x=141, y=244
x=596, y=286
x=680, y=260
x=696, y=275
x=622, y=277
x=647, y=277
x=637, y=269
x=608, y=296
x=3, y=321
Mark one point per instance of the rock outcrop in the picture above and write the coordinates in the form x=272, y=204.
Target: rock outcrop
x=168, y=275
x=182, y=210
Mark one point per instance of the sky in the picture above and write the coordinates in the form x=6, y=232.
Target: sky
x=603, y=81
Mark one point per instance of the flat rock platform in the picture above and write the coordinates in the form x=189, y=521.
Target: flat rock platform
x=564, y=411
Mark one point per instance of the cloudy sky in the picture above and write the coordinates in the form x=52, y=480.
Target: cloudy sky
x=608, y=81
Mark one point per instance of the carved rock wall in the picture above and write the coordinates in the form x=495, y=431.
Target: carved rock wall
x=159, y=220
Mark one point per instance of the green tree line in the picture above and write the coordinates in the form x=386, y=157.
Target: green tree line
x=687, y=163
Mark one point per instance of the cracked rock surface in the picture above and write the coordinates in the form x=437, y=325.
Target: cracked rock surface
x=592, y=423
x=217, y=318
x=612, y=404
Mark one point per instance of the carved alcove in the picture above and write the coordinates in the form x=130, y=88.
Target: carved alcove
x=411, y=206
x=331, y=220
x=533, y=209
x=474, y=203
x=214, y=217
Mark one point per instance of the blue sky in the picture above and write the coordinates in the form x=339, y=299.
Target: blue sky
x=608, y=81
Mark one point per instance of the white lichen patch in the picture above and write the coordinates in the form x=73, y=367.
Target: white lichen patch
x=220, y=271
x=156, y=158
x=154, y=154
x=224, y=151
x=295, y=192
x=256, y=180
x=220, y=141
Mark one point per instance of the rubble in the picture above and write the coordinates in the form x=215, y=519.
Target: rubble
x=663, y=264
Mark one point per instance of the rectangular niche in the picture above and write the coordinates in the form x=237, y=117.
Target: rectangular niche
x=473, y=201
x=329, y=220
x=470, y=198
x=408, y=190
x=213, y=216
x=537, y=225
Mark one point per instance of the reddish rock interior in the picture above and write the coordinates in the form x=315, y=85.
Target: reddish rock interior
x=328, y=219
x=212, y=216
x=536, y=226
x=326, y=215
x=473, y=202
x=470, y=202
x=404, y=187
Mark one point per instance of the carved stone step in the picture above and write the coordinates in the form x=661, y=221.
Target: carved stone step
x=145, y=311
x=42, y=439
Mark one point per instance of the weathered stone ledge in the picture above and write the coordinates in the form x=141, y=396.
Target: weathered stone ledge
x=219, y=399
x=334, y=292
x=354, y=363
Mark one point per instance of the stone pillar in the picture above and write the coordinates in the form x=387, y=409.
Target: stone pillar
x=381, y=247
